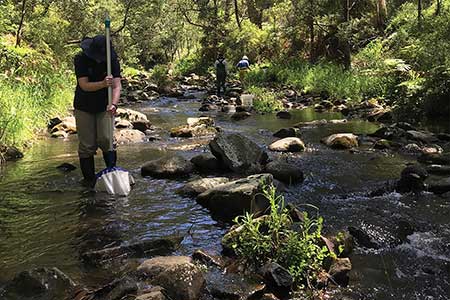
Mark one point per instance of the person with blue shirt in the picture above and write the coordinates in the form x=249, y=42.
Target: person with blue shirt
x=243, y=67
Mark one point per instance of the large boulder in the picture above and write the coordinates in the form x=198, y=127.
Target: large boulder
x=129, y=136
x=196, y=187
x=285, y=172
x=290, y=144
x=178, y=275
x=238, y=153
x=42, y=283
x=341, y=141
x=167, y=167
x=287, y=132
x=237, y=197
x=412, y=179
x=207, y=163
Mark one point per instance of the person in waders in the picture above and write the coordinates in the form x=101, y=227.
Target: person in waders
x=243, y=67
x=221, y=73
x=91, y=104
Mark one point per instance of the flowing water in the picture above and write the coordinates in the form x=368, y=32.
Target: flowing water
x=45, y=222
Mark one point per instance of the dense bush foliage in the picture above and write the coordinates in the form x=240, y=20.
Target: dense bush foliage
x=383, y=49
x=276, y=238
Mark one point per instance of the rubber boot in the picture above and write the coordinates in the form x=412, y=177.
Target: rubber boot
x=110, y=158
x=87, y=167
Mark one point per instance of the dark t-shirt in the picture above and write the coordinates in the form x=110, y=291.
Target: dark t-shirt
x=97, y=101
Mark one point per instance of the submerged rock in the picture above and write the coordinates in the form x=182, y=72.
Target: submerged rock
x=41, y=283
x=149, y=248
x=231, y=286
x=285, y=172
x=412, y=179
x=237, y=197
x=178, y=275
x=167, y=167
x=66, y=167
x=438, y=169
x=240, y=115
x=290, y=144
x=284, y=115
x=238, y=153
x=341, y=141
x=435, y=158
x=440, y=186
x=9, y=153
x=287, y=132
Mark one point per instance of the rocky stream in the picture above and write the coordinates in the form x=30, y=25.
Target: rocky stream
x=197, y=161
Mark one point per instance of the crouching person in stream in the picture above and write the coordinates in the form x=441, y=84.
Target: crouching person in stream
x=91, y=104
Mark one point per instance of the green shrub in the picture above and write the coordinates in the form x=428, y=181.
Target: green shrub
x=265, y=101
x=275, y=237
x=160, y=75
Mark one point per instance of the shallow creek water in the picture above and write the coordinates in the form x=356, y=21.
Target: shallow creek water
x=45, y=222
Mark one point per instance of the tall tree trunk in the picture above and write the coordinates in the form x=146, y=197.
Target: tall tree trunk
x=419, y=13
x=227, y=10
x=312, y=54
x=345, y=43
x=381, y=14
x=438, y=7
x=236, y=13
x=22, y=18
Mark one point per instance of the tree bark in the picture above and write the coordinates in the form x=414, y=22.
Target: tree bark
x=438, y=7
x=345, y=42
x=419, y=13
x=236, y=13
x=381, y=14
x=312, y=54
x=22, y=19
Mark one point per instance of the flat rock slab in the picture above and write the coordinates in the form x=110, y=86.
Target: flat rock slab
x=234, y=198
x=143, y=249
x=233, y=286
x=196, y=187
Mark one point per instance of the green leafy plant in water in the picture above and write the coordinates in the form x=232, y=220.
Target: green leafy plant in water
x=265, y=101
x=275, y=237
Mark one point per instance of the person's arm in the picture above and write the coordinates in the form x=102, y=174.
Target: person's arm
x=116, y=87
x=93, y=86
